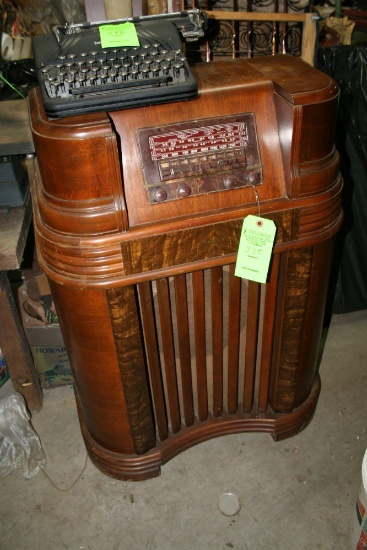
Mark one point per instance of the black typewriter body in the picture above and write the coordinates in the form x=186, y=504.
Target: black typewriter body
x=77, y=76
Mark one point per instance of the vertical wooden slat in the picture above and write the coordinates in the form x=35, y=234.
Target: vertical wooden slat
x=309, y=39
x=253, y=304
x=268, y=334
x=183, y=333
x=169, y=353
x=278, y=325
x=217, y=338
x=200, y=344
x=154, y=364
x=234, y=303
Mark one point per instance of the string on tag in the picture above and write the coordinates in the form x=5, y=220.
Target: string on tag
x=257, y=198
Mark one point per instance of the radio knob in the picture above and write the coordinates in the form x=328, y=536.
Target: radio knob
x=253, y=178
x=160, y=195
x=230, y=182
x=184, y=191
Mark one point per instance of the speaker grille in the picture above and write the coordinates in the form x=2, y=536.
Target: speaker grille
x=203, y=337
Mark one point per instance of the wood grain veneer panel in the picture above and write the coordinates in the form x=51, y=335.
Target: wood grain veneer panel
x=193, y=244
x=86, y=326
x=314, y=317
x=294, y=279
x=122, y=304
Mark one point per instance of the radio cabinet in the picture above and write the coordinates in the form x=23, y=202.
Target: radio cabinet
x=137, y=218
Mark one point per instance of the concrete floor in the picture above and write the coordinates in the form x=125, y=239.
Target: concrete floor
x=295, y=494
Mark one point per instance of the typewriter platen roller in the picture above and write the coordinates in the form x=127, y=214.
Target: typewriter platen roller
x=76, y=75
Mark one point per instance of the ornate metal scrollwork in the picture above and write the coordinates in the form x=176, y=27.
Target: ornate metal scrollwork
x=247, y=39
x=220, y=37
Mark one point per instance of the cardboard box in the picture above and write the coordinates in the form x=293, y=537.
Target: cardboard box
x=43, y=333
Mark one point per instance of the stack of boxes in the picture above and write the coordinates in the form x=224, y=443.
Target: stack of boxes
x=43, y=333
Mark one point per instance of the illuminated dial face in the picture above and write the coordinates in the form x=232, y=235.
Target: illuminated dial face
x=198, y=157
x=194, y=141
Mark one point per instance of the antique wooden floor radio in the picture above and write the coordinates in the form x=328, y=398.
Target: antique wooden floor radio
x=138, y=214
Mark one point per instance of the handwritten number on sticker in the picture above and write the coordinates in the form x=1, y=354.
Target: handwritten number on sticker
x=255, y=249
x=122, y=34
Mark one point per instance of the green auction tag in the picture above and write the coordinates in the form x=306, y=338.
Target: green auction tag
x=115, y=36
x=255, y=249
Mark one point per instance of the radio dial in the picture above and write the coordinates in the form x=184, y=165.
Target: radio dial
x=160, y=195
x=253, y=178
x=230, y=182
x=184, y=191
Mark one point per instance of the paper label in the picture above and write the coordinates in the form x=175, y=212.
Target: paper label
x=115, y=36
x=255, y=249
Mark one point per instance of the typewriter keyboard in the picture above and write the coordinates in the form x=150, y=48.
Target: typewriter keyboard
x=77, y=75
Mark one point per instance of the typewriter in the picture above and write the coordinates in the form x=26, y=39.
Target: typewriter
x=77, y=75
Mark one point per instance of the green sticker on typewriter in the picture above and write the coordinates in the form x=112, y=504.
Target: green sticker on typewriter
x=255, y=249
x=115, y=36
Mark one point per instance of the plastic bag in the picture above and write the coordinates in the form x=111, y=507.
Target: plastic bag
x=20, y=446
x=40, y=16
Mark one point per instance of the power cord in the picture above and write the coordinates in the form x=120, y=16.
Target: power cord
x=62, y=489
